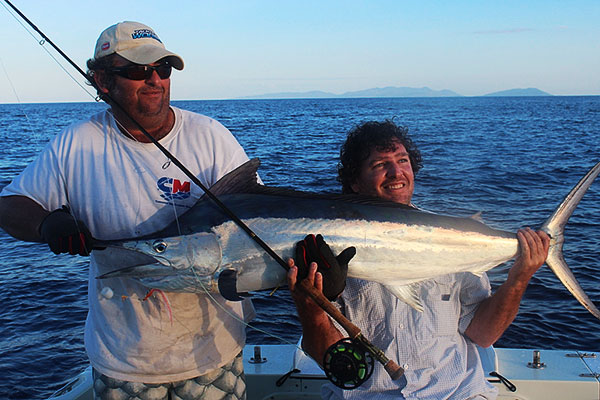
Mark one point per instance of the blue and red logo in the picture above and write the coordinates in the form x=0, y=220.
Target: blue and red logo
x=173, y=189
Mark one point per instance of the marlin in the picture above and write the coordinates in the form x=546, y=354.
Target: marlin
x=204, y=251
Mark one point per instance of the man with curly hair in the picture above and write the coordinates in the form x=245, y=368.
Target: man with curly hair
x=438, y=346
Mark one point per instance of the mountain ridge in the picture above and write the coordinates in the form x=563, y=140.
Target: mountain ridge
x=392, y=91
x=519, y=92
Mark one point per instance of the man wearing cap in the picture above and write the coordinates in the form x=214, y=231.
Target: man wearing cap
x=102, y=179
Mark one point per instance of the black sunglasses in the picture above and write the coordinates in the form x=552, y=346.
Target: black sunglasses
x=138, y=72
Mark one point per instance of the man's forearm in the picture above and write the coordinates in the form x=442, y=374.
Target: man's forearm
x=21, y=217
x=496, y=313
x=318, y=331
x=318, y=334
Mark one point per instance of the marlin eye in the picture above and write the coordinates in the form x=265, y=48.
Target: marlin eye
x=159, y=246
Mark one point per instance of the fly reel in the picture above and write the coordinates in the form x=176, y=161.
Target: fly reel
x=347, y=364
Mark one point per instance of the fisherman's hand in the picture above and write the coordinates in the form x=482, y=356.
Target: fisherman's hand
x=533, y=251
x=334, y=269
x=65, y=234
x=307, y=308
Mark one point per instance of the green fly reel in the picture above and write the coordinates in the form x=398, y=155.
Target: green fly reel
x=347, y=364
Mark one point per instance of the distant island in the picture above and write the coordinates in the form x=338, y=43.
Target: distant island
x=520, y=92
x=390, y=91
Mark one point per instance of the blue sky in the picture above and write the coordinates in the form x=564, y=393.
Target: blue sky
x=242, y=48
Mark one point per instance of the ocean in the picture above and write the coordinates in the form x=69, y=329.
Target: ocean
x=511, y=158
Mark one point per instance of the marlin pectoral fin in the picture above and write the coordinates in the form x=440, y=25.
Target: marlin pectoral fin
x=227, y=283
x=408, y=294
x=477, y=217
x=140, y=271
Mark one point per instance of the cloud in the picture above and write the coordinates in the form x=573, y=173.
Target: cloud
x=503, y=31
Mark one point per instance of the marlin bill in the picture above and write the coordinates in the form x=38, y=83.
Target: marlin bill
x=396, y=245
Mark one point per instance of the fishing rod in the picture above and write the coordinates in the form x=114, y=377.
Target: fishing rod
x=347, y=367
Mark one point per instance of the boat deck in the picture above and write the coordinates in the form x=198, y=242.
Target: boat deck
x=281, y=372
x=565, y=374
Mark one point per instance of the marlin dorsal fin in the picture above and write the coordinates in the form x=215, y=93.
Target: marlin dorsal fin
x=243, y=179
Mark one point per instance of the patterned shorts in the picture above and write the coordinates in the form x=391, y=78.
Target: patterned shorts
x=225, y=383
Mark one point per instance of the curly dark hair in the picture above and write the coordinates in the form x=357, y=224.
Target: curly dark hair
x=368, y=136
x=102, y=63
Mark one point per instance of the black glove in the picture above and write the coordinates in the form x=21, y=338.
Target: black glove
x=64, y=234
x=334, y=269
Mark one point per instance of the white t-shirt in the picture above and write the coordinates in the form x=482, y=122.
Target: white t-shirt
x=120, y=189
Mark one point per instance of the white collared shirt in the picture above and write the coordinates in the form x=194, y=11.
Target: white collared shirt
x=439, y=361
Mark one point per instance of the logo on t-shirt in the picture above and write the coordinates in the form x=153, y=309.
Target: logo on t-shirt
x=173, y=189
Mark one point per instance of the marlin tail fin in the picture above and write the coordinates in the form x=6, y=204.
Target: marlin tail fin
x=554, y=226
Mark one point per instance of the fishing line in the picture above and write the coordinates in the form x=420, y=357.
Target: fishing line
x=34, y=130
x=171, y=202
x=43, y=42
x=29, y=123
x=197, y=278
x=11, y=84
x=234, y=316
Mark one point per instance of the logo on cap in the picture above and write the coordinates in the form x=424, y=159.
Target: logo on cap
x=105, y=46
x=144, y=33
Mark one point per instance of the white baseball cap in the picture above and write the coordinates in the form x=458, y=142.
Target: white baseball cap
x=135, y=42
